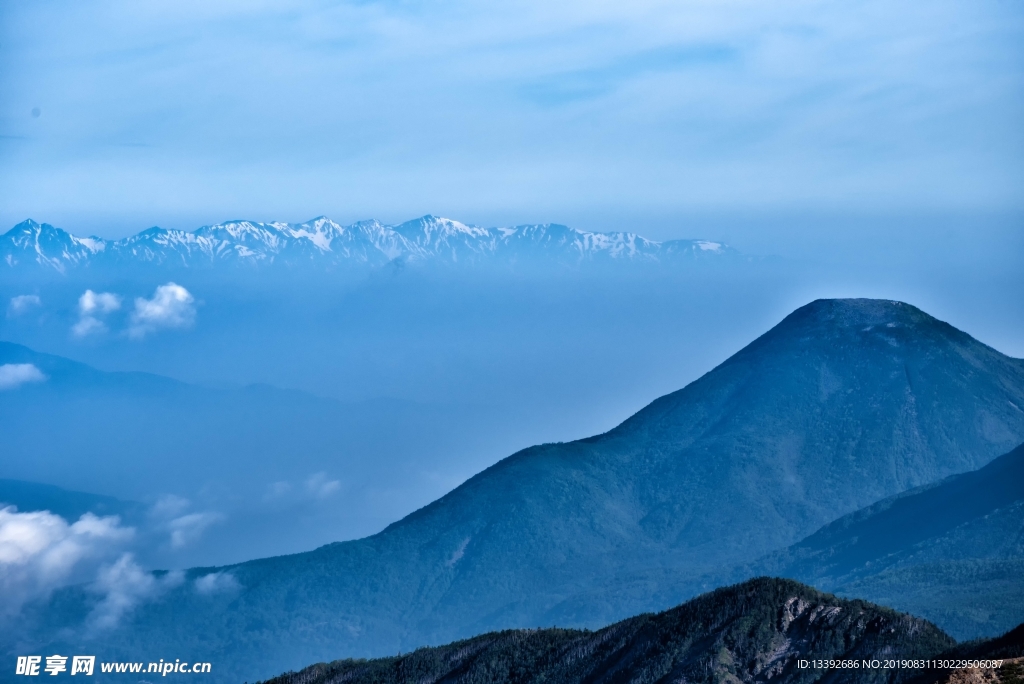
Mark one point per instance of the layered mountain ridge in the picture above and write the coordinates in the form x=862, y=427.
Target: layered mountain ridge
x=324, y=243
x=289, y=439
x=842, y=404
x=952, y=551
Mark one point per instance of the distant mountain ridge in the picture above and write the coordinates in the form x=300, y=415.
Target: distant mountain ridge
x=289, y=437
x=69, y=504
x=325, y=243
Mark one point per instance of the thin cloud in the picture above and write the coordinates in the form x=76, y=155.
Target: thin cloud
x=321, y=487
x=217, y=583
x=169, y=514
x=521, y=105
x=124, y=585
x=188, y=528
x=169, y=506
x=172, y=306
x=14, y=375
x=22, y=304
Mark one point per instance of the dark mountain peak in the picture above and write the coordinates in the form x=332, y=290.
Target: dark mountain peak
x=831, y=317
x=830, y=334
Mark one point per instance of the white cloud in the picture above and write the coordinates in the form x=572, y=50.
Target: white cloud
x=92, y=306
x=319, y=486
x=40, y=551
x=14, y=375
x=98, y=302
x=22, y=303
x=172, y=306
x=124, y=585
x=216, y=583
x=188, y=528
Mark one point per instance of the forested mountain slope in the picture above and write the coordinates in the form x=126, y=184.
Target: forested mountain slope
x=952, y=552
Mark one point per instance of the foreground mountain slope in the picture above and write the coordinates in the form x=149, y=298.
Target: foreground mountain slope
x=952, y=552
x=754, y=632
x=842, y=404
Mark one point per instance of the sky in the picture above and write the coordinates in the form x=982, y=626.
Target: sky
x=118, y=115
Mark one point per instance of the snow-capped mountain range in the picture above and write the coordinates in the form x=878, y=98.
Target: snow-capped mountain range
x=323, y=242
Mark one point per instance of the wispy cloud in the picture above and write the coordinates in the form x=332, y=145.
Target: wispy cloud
x=188, y=528
x=217, y=583
x=124, y=585
x=321, y=487
x=23, y=304
x=172, y=306
x=170, y=514
x=14, y=375
x=317, y=486
x=597, y=81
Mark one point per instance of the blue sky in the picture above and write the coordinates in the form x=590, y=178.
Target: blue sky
x=118, y=115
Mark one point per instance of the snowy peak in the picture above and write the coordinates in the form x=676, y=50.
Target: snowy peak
x=321, y=242
x=45, y=245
